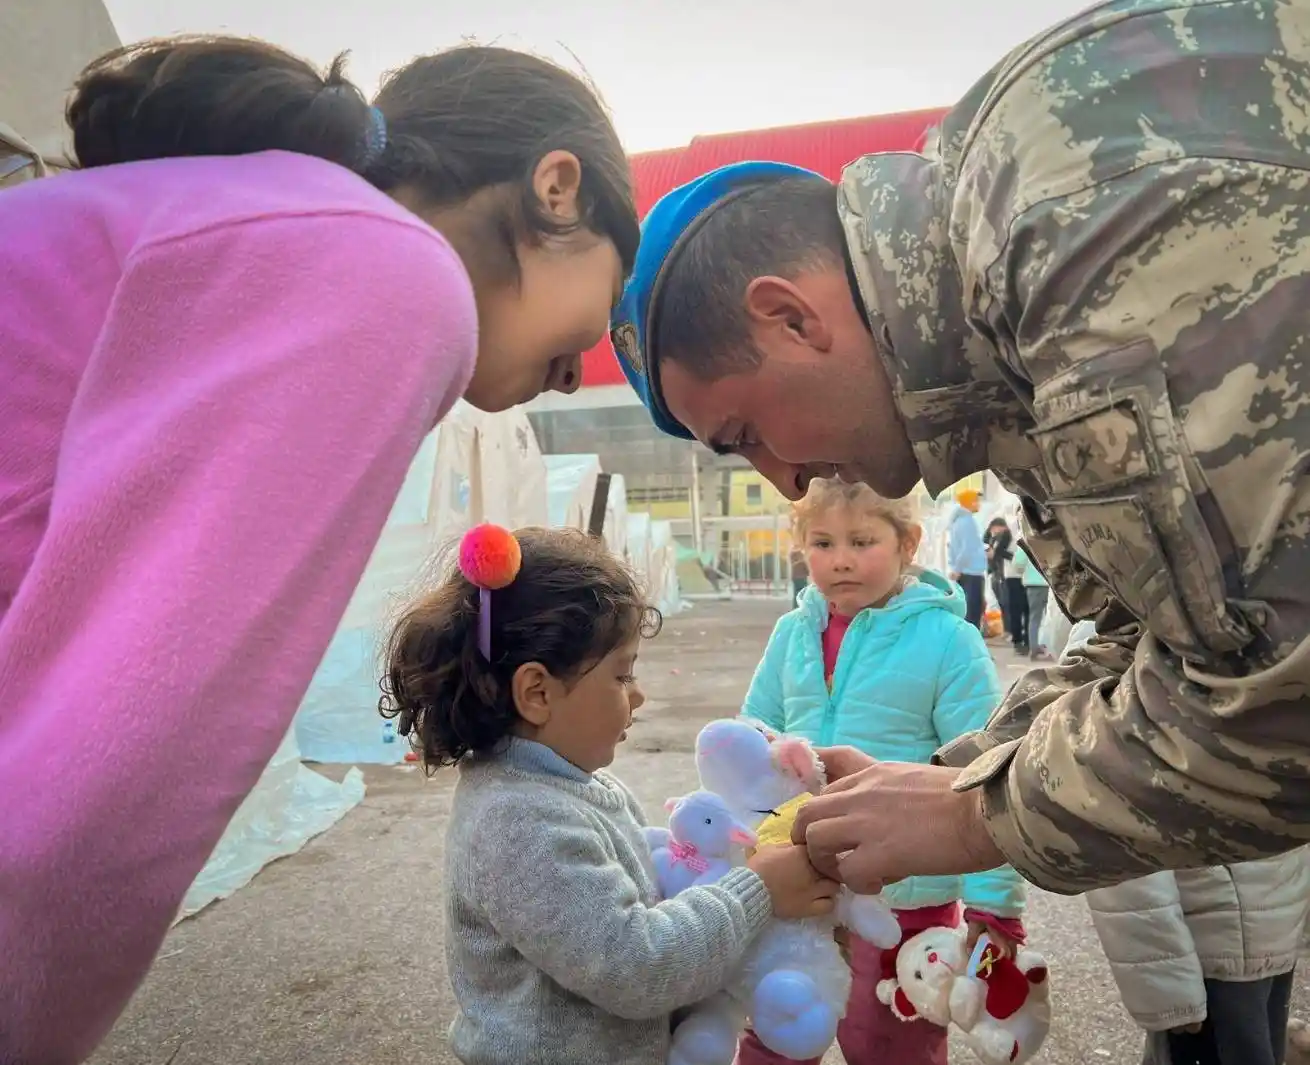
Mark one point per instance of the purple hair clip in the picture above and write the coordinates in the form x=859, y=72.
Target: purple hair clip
x=489, y=558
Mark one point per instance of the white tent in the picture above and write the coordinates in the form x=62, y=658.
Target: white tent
x=474, y=467
x=653, y=555
x=43, y=47
x=511, y=470
x=571, y=489
x=616, y=516
x=639, y=548
x=289, y=806
x=664, y=568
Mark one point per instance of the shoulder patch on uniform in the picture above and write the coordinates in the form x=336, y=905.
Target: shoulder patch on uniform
x=626, y=342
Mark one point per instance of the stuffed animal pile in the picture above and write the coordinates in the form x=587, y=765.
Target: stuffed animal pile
x=793, y=985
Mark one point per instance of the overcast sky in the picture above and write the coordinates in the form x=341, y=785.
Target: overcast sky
x=669, y=69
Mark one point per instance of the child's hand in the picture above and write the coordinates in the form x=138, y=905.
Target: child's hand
x=1003, y=943
x=795, y=887
x=840, y=762
x=842, y=937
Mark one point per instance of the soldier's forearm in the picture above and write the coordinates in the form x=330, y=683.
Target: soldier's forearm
x=1158, y=771
x=1109, y=654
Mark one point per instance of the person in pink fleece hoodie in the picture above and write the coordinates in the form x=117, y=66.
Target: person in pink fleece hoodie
x=221, y=342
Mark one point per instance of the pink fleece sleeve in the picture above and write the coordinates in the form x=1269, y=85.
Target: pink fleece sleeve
x=241, y=431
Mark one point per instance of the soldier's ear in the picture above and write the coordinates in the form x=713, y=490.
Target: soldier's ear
x=783, y=312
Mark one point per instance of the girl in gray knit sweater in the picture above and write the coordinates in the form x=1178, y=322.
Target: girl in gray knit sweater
x=558, y=948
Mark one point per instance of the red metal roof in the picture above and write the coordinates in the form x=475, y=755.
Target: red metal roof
x=825, y=147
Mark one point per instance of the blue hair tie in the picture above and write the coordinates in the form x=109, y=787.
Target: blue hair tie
x=375, y=137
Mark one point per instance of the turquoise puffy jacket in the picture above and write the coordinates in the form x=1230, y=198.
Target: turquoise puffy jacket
x=910, y=676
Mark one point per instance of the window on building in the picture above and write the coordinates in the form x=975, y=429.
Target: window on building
x=658, y=494
x=754, y=494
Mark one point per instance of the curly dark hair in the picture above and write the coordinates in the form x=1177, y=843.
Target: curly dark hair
x=572, y=603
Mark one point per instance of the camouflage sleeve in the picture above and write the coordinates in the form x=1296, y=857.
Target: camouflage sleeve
x=1141, y=239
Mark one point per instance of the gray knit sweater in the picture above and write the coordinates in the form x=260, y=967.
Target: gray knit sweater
x=557, y=950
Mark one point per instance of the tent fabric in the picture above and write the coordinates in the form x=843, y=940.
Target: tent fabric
x=825, y=147
x=289, y=806
x=43, y=48
x=511, y=470
x=664, y=568
x=616, y=516
x=571, y=489
x=474, y=467
x=571, y=481
x=654, y=556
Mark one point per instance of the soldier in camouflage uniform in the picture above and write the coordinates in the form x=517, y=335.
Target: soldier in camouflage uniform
x=1095, y=281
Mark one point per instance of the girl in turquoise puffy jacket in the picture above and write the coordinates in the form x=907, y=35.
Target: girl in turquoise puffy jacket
x=878, y=655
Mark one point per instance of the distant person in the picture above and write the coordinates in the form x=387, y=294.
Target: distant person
x=222, y=340
x=879, y=655
x=558, y=947
x=966, y=558
x=1016, y=594
x=721, y=582
x=800, y=573
x=1038, y=593
x=997, y=540
x=1205, y=959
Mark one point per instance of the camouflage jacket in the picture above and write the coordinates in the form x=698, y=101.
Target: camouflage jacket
x=1096, y=282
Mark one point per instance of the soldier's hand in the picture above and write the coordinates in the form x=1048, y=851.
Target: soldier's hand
x=839, y=762
x=891, y=820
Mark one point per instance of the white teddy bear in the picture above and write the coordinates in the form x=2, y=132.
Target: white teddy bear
x=1002, y=1005
x=794, y=982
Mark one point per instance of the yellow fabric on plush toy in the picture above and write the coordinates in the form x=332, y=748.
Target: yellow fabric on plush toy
x=776, y=828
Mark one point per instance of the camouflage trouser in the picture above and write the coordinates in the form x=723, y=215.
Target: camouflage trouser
x=1246, y=1025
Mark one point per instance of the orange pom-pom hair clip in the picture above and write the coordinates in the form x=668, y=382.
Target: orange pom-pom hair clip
x=489, y=558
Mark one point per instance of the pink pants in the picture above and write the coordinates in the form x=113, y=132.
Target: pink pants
x=870, y=1034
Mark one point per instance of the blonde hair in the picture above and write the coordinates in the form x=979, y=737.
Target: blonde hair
x=825, y=493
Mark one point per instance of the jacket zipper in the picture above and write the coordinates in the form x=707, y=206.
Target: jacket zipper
x=840, y=668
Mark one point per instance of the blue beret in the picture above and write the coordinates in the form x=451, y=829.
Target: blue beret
x=665, y=231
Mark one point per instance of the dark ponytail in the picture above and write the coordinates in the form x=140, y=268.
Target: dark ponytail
x=214, y=96
x=455, y=122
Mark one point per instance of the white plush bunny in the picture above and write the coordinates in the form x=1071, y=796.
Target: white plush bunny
x=765, y=778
